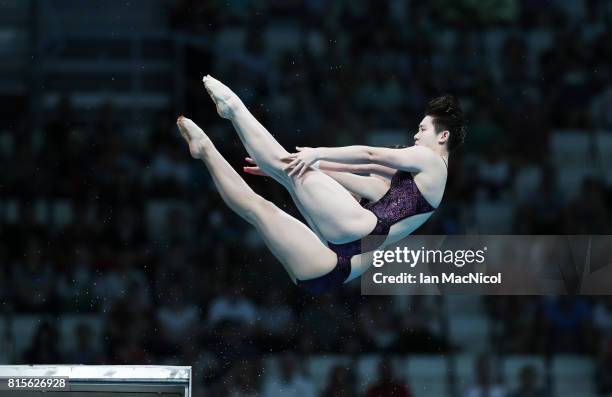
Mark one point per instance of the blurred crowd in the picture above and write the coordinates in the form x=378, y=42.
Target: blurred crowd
x=131, y=227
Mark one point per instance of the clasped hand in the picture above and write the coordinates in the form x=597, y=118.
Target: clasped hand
x=299, y=162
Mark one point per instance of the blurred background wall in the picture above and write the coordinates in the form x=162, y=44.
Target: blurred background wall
x=116, y=249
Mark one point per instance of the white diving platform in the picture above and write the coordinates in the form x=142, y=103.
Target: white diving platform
x=95, y=381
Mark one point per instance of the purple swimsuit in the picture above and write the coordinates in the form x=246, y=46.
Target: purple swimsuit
x=403, y=199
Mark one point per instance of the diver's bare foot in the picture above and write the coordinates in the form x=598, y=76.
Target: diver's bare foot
x=196, y=138
x=227, y=102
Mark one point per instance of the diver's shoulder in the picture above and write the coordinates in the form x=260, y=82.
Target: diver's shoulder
x=426, y=154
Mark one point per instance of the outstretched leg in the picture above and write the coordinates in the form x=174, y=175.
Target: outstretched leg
x=257, y=140
x=293, y=243
x=324, y=202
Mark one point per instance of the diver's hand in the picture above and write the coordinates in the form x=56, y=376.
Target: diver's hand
x=302, y=160
x=253, y=169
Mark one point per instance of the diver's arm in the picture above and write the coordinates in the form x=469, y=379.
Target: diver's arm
x=376, y=169
x=370, y=187
x=411, y=159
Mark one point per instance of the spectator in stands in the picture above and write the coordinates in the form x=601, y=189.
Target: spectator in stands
x=341, y=383
x=523, y=325
x=130, y=332
x=173, y=265
x=194, y=16
x=324, y=321
x=569, y=323
x=167, y=172
x=603, y=369
x=60, y=128
x=232, y=306
x=419, y=331
x=276, y=321
x=178, y=318
x=115, y=282
x=291, y=380
x=82, y=229
x=132, y=349
x=45, y=346
x=543, y=206
x=529, y=387
x=74, y=284
x=352, y=340
x=379, y=325
x=387, y=385
x=243, y=380
x=34, y=280
x=494, y=173
x=484, y=133
x=126, y=228
x=17, y=236
x=485, y=385
x=5, y=292
x=307, y=343
x=588, y=213
x=602, y=318
x=601, y=110
x=84, y=352
x=176, y=229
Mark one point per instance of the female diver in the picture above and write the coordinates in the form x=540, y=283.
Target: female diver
x=322, y=182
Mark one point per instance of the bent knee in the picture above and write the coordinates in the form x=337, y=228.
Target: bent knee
x=318, y=265
x=274, y=165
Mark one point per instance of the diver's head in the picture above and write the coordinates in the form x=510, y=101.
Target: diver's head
x=443, y=127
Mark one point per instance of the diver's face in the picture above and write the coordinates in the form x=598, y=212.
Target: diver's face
x=426, y=134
